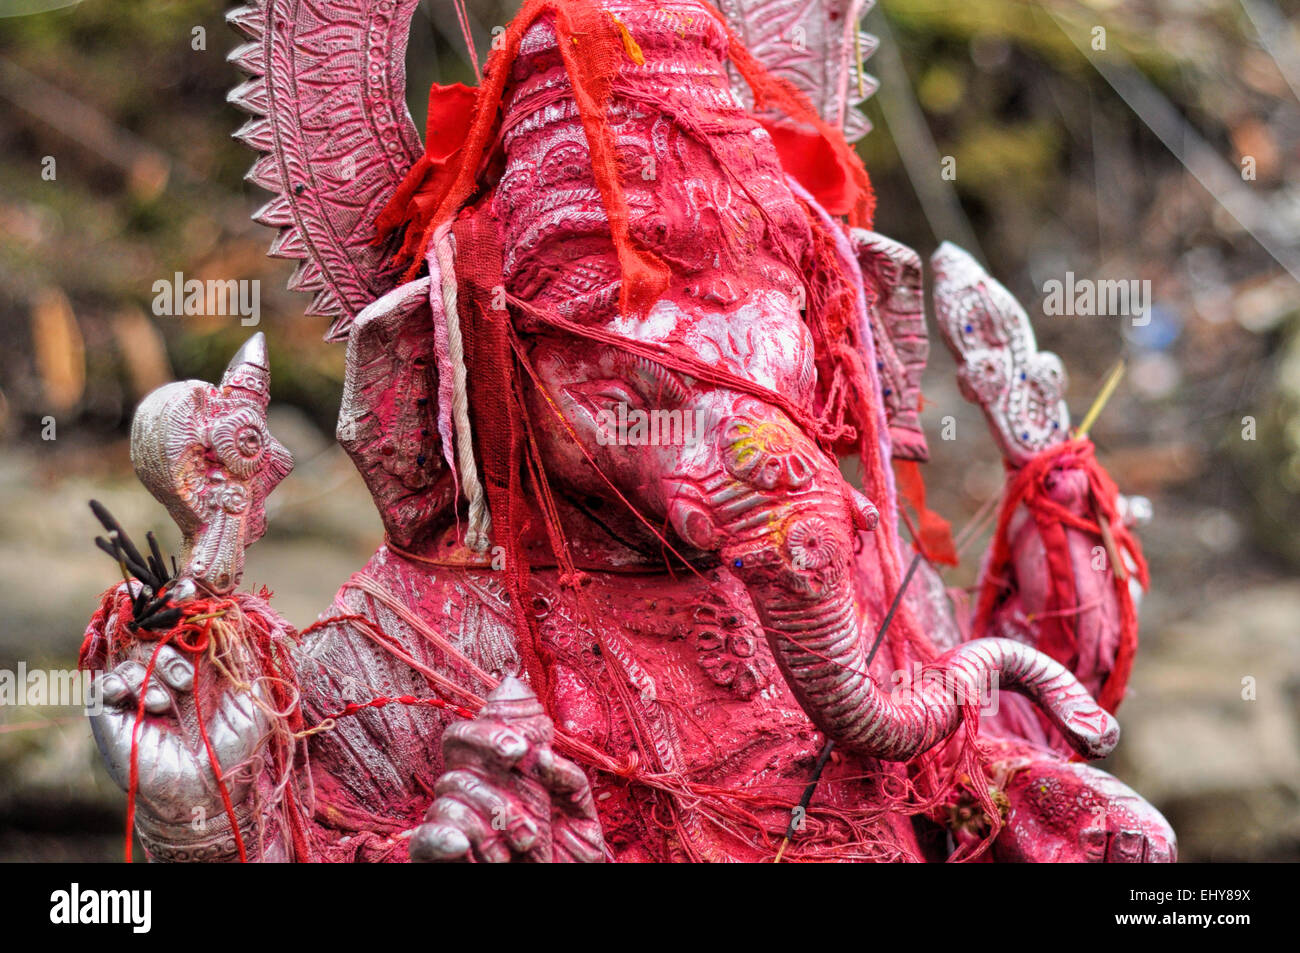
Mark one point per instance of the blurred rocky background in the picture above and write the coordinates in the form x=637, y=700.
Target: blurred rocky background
x=1155, y=141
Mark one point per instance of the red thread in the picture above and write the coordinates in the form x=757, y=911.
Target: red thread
x=216, y=771
x=380, y=701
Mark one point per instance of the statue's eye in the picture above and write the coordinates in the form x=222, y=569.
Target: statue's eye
x=239, y=440
x=249, y=441
x=606, y=395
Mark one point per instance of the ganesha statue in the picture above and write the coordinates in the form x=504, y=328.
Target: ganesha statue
x=615, y=336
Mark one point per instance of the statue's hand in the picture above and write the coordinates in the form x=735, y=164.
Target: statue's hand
x=1064, y=812
x=506, y=795
x=179, y=802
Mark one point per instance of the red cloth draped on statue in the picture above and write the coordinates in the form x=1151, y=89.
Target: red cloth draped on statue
x=596, y=47
x=1058, y=633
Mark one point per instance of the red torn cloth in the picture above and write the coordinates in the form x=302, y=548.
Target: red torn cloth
x=933, y=533
x=451, y=111
x=596, y=48
x=816, y=165
x=498, y=415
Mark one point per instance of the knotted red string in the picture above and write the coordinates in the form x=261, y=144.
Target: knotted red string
x=1029, y=487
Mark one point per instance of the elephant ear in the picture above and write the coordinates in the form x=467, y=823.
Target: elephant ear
x=892, y=274
x=816, y=45
x=327, y=95
x=388, y=421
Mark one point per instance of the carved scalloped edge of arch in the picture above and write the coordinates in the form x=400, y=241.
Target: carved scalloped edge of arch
x=327, y=96
x=813, y=44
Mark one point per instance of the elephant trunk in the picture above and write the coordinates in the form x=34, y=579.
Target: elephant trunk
x=781, y=516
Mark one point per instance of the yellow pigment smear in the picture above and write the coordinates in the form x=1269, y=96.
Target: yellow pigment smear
x=630, y=46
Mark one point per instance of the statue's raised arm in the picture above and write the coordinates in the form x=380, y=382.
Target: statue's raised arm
x=197, y=678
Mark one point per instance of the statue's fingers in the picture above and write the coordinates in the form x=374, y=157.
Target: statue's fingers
x=505, y=816
x=1159, y=851
x=568, y=784
x=113, y=730
x=1126, y=847
x=235, y=728
x=1093, y=841
x=174, y=669
x=583, y=843
x=560, y=775
x=438, y=843
x=131, y=675
x=157, y=699
x=485, y=844
x=468, y=744
x=114, y=690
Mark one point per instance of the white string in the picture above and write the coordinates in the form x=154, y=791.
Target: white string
x=480, y=520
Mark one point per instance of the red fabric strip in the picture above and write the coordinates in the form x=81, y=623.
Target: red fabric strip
x=933, y=532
